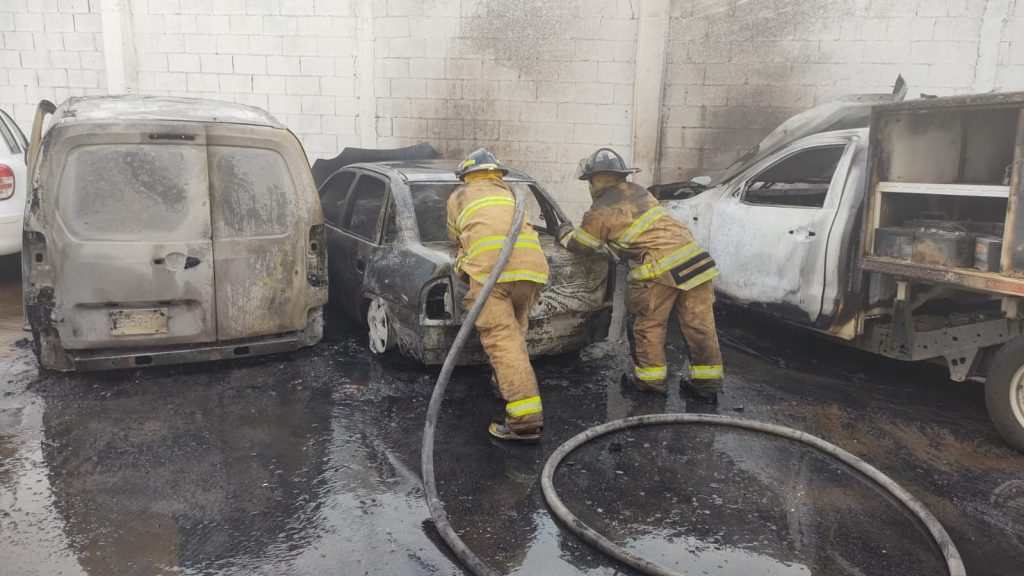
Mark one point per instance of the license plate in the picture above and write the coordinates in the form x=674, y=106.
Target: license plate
x=137, y=322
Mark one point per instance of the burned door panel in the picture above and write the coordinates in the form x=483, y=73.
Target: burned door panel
x=771, y=231
x=260, y=253
x=130, y=236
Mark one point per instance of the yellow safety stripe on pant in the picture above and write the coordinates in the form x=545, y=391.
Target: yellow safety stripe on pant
x=699, y=279
x=640, y=225
x=481, y=203
x=488, y=243
x=651, y=374
x=585, y=238
x=523, y=407
x=514, y=275
x=659, y=267
x=707, y=372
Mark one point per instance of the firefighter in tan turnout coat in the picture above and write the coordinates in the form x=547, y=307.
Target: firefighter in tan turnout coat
x=480, y=216
x=668, y=271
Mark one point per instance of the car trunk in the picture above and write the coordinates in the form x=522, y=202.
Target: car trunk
x=576, y=282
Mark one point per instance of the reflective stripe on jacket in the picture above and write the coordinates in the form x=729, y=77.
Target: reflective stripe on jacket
x=629, y=220
x=479, y=217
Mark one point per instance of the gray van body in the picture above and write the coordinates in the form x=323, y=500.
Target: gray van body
x=168, y=230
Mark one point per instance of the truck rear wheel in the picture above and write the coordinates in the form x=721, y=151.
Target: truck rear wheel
x=1004, y=392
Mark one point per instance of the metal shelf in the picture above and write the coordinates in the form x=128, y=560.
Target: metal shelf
x=971, y=190
x=966, y=278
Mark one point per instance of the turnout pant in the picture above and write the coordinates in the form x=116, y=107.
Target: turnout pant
x=502, y=325
x=651, y=303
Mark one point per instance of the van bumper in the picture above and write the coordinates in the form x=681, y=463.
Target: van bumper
x=92, y=360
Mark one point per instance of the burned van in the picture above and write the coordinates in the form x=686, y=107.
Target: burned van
x=166, y=230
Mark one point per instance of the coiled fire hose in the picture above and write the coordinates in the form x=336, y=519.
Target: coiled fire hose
x=479, y=567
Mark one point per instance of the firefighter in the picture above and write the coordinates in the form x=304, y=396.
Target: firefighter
x=668, y=271
x=480, y=213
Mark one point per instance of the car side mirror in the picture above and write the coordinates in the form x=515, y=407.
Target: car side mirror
x=702, y=180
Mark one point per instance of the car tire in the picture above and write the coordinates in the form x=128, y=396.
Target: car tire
x=378, y=321
x=1004, y=392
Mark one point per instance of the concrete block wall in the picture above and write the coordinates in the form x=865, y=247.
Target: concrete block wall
x=293, y=58
x=540, y=84
x=49, y=49
x=735, y=69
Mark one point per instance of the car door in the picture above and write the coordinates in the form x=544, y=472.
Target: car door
x=333, y=196
x=770, y=233
x=261, y=231
x=131, y=241
x=360, y=232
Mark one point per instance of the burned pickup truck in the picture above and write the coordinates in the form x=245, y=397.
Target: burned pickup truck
x=892, y=226
x=391, y=261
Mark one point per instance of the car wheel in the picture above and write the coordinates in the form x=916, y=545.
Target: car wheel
x=1004, y=392
x=382, y=336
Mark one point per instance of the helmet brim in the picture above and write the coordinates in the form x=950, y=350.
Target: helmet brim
x=589, y=175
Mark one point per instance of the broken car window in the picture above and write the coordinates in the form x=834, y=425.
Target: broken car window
x=333, y=195
x=252, y=192
x=431, y=204
x=801, y=179
x=368, y=199
x=129, y=192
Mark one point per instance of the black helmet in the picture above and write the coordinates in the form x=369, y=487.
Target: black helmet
x=479, y=161
x=604, y=160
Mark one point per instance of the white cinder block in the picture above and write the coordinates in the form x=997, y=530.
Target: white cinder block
x=299, y=46
x=215, y=63
x=235, y=82
x=83, y=79
x=23, y=77
x=233, y=44
x=337, y=86
x=247, y=24
x=19, y=40
x=88, y=23
x=28, y=22
x=213, y=24
x=47, y=41
x=65, y=60
x=305, y=85
x=249, y=64
x=331, y=7
x=201, y=82
x=283, y=65
x=316, y=66
x=317, y=105
x=52, y=22
x=35, y=59
x=280, y=25
x=183, y=63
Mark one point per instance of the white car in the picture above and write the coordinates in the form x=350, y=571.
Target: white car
x=13, y=183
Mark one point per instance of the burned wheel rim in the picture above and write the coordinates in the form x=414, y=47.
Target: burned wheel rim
x=377, y=320
x=1017, y=396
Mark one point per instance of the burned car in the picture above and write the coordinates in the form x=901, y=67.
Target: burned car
x=391, y=263
x=164, y=230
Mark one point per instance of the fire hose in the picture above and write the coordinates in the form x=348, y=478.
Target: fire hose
x=479, y=567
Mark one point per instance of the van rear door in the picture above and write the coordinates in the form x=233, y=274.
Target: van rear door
x=133, y=238
x=261, y=214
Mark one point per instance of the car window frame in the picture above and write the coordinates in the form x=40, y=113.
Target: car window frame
x=379, y=231
x=13, y=146
x=348, y=194
x=19, y=135
x=741, y=191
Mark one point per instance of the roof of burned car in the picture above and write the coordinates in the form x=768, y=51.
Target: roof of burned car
x=437, y=170
x=133, y=107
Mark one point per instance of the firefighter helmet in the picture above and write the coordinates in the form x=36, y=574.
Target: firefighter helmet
x=603, y=160
x=480, y=161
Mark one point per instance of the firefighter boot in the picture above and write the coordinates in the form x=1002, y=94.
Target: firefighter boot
x=700, y=390
x=502, y=432
x=658, y=387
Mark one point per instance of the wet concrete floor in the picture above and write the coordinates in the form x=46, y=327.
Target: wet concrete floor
x=308, y=463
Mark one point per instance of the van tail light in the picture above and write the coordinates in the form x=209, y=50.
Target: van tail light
x=6, y=182
x=316, y=257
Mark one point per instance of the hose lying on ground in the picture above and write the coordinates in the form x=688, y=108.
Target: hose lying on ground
x=469, y=559
x=479, y=567
x=576, y=526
